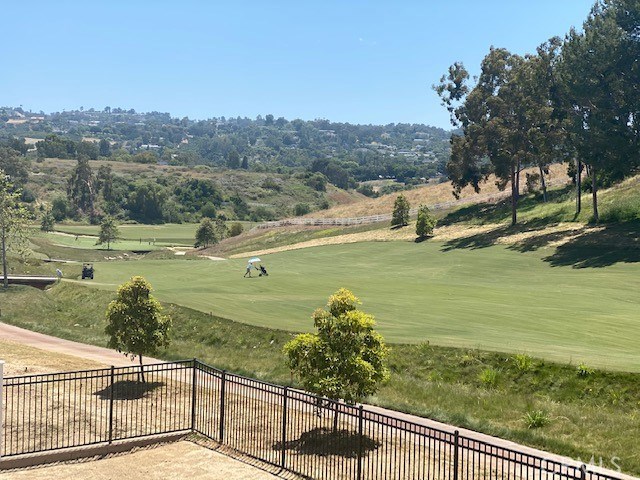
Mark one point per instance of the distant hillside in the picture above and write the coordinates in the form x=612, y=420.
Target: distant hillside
x=344, y=153
x=184, y=190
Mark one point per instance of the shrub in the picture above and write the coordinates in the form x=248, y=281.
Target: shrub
x=301, y=209
x=536, y=419
x=584, y=370
x=426, y=222
x=489, y=377
x=523, y=362
x=235, y=229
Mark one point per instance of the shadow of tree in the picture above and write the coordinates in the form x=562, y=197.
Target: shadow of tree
x=597, y=248
x=128, y=390
x=324, y=442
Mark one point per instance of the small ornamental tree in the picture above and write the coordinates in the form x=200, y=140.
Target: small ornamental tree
x=426, y=222
x=345, y=358
x=400, y=216
x=108, y=232
x=135, y=323
x=206, y=233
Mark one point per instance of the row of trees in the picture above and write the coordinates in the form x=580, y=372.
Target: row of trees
x=576, y=100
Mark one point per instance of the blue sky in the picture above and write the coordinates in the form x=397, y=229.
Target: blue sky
x=349, y=61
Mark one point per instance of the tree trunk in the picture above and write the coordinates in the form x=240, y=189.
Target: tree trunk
x=335, y=417
x=141, y=370
x=514, y=196
x=578, y=186
x=518, y=181
x=5, y=281
x=543, y=184
x=594, y=189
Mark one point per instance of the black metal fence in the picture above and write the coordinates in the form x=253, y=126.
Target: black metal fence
x=299, y=432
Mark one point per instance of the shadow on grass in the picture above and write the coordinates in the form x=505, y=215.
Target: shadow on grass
x=128, y=390
x=324, y=442
x=500, y=211
x=600, y=248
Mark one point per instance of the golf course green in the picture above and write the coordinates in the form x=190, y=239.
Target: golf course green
x=492, y=298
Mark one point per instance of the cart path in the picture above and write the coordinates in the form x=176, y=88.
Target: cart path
x=111, y=357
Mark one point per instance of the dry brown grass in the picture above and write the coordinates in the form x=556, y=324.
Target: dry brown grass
x=25, y=360
x=428, y=195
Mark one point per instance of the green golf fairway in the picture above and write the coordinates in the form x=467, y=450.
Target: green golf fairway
x=492, y=298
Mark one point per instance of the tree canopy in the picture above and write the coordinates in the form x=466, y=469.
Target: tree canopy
x=135, y=323
x=345, y=358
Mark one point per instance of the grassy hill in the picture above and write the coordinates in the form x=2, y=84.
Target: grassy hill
x=584, y=413
x=277, y=192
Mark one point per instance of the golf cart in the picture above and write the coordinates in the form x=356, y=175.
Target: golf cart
x=87, y=270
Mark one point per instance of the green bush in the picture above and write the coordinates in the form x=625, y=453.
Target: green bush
x=301, y=209
x=584, y=370
x=235, y=229
x=536, y=419
x=523, y=362
x=489, y=377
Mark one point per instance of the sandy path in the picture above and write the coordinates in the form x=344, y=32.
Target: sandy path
x=181, y=460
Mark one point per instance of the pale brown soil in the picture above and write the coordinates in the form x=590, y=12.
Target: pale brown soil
x=21, y=359
x=181, y=460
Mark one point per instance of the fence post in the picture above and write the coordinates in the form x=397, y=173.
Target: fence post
x=283, y=460
x=583, y=472
x=193, y=394
x=1, y=407
x=222, y=389
x=112, y=376
x=456, y=448
x=360, y=440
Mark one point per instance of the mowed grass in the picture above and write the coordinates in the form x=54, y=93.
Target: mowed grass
x=492, y=298
x=139, y=235
x=586, y=413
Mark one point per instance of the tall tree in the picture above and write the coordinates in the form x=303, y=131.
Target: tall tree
x=426, y=222
x=13, y=222
x=400, y=215
x=81, y=189
x=345, y=358
x=595, y=69
x=206, y=234
x=14, y=165
x=135, y=324
x=109, y=232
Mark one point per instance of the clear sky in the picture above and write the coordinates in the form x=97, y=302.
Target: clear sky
x=348, y=61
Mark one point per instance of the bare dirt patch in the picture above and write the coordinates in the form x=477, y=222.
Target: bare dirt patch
x=181, y=460
x=23, y=359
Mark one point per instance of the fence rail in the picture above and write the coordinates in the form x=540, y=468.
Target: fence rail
x=288, y=428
